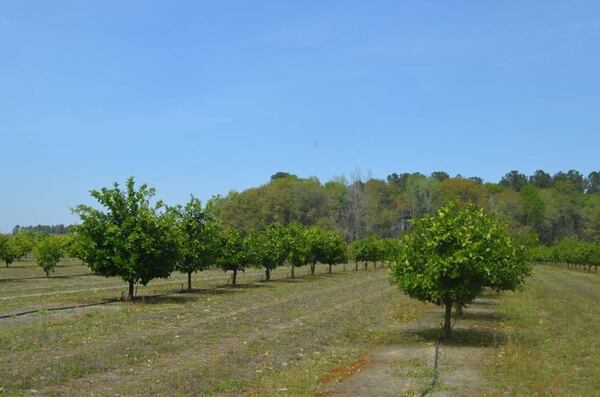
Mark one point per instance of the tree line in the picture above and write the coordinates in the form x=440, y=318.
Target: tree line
x=539, y=208
x=44, y=229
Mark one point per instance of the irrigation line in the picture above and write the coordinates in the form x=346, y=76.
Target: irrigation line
x=436, y=372
x=45, y=277
x=54, y=309
x=434, y=379
x=106, y=302
x=114, y=300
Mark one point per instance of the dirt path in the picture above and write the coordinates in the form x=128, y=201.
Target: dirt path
x=405, y=367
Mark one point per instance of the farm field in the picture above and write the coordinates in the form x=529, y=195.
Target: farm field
x=340, y=334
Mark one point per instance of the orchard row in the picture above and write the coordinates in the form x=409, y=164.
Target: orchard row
x=571, y=252
x=137, y=241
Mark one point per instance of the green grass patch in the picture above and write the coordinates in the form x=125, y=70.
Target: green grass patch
x=551, y=331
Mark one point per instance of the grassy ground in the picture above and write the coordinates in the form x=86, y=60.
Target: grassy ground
x=339, y=334
x=552, y=341
x=276, y=338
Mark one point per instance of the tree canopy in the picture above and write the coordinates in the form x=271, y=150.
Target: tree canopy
x=48, y=252
x=451, y=256
x=7, y=249
x=197, y=238
x=131, y=238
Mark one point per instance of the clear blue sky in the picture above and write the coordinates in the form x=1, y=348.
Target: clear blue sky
x=204, y=97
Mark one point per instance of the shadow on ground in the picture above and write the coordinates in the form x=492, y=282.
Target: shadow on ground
x=472, y=337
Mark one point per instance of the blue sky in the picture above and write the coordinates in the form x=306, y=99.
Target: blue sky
x=204, y=97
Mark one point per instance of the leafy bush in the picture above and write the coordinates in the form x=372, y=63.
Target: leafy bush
x=450, y=257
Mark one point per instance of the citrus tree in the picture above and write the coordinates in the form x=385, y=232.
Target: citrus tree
x=333, y=249
x=367, y=250
x=48, y=252
x=298, y=246
x=197, y=239
x=23, y=244
x=7, y=249
x=451, y=256
x=269, y=248
x=130, y=238
x=390, y=248
x=233, y=253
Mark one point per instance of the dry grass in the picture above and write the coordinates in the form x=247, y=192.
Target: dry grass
x=259, y=337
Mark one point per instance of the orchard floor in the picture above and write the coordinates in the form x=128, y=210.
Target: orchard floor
x=342, y=334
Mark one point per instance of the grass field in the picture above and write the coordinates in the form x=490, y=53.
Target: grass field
x=347, y=333
x=252, y=339
x=552, y=336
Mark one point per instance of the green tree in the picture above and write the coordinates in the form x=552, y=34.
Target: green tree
x=533, y=207
x=440, y=176
x=332, y=250
x=7, y=250
x=514, y=179
x=541, y=179
x=368, y=249
x=463, y=190
x=450, y=257
x=391, y=250
x=592, y=182
x=315, y=237
x=233, y=253
x=23, y=244
x=48, y=252
x=573, y=176
x=298, y=248
x=269, y=248
x=197, y=238
x=132, y=239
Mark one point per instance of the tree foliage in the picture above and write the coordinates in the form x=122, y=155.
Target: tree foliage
x=299, y=246
x=7, y=249
x=569, y=251
x=269, y=248
x=48, y=252
x=197, y=238
x=131, y=238
x=554, y=207
x=450, y=257
x=23, y=243
x=233, y=252
x=369, y=249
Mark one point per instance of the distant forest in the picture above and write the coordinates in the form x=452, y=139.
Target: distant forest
x=50, y=229
x=539, y=207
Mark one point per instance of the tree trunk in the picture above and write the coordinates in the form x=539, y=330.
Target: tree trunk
x=267, y=274
x=130, y=295
x=312, y=268
x=355, y=265
x=329, y=269
x=366, y=265
x=233, y=280
x=448, y=318
x=459, y=309
x=189, y=281
x=293, y=271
